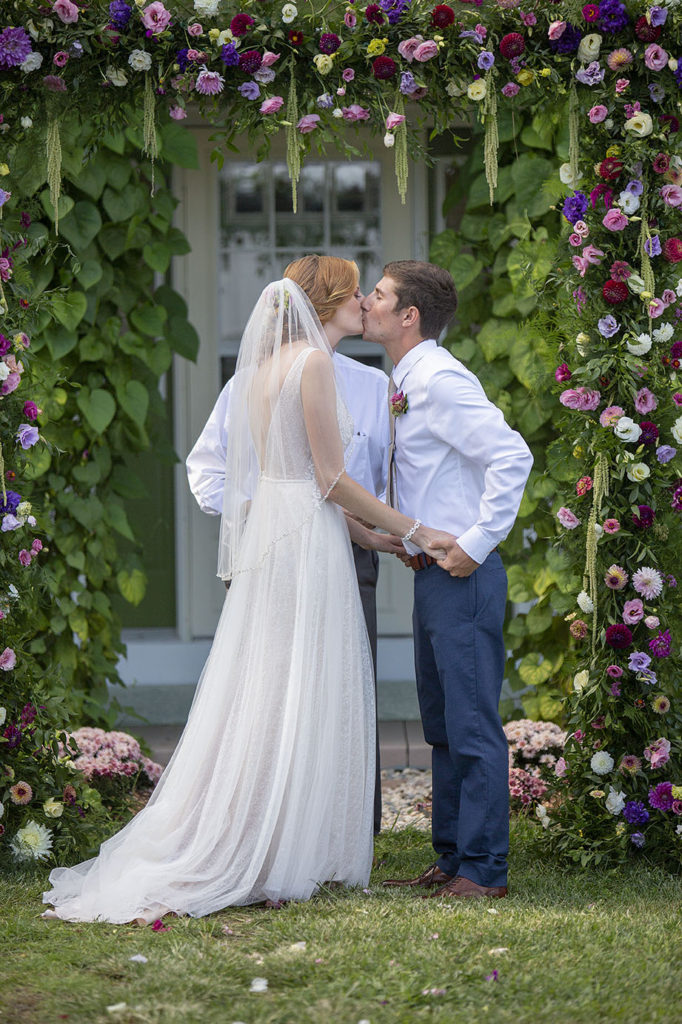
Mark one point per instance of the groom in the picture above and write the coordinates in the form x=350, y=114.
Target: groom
x=458, y=467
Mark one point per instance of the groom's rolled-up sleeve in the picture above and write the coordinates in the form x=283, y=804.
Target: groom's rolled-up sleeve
x=206, y=462
x=461, y=415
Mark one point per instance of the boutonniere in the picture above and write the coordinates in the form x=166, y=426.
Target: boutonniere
x=398, y=402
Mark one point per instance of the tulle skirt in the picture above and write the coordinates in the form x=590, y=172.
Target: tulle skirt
x=270, y=790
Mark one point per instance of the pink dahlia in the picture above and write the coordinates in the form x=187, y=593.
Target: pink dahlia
x=21, y=793
x=616, y=577
x=648, y=582
x=209, y=83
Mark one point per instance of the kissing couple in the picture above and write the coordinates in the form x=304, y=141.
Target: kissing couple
x=273, y=788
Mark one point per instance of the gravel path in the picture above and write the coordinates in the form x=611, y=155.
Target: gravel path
x=406, y=798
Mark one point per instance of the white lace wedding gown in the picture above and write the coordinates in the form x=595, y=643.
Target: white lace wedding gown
x=269, y=792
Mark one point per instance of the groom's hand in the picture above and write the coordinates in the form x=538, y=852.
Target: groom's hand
x=457, y=562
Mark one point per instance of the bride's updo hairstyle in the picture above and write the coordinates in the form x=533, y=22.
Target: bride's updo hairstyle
x=328, y=281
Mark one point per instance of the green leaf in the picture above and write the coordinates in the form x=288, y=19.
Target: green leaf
x=134, y=400
x=87, y=511
x=78, y=621
x=38, y=462
x=114, y=141
x=121, y=206
x=149, y=319
x=157, y=256
x=89, y=274
x=497, y=337
x=98, y=407
x=132, y=585
x=113, y=241
x=92, y=349
x=465, y=268
x=81, y=225
x=172, y=301
x=69, y=308
x=116, y=517
x=91, y=178
x=60, y=341
x=179, y=146
x=534, y=670
x=65, y=205
x=183, y=338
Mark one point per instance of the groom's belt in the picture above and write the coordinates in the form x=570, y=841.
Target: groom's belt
x=420, y=561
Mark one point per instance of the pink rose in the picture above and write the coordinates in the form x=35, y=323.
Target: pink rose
x=562, y=372
x=583, y=399
x=652, y=622
x=408, y=46
x=581, y=228
x=341, y=91
x=560, y=767
x=598, y=114
x=657, y=308
x=592, y=254
x=8, y=659
x=659, y=758
x=655, y=57
x=394, y=120
x=567, y=518
x=195, y=29
x=668, y=296
x=350, y=19
x=355, y=113
x=308, y=123
x=425, y=51
x=25, y=557
x=37, y=545
x=645, y=401
x=621, y=85
x=11, y=384
x=348, y=74
x=633, y=611
x=556, y=29
x=269, y=58
x=272, y=105
x=155, y=17
x=672, y=195
x=177, y=113
x=611, y=415
x=580, y=264
x=575, y=240
x=65, y=11
x=615, y=220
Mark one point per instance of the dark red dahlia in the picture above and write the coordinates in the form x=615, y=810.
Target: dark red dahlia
x=374, y=14
x=591, y=12
x=13, y=736
x=676, y=503
x=660, y=163
x=442, y=16
x=618, y=636
x=512, y=45
x=644, y=517
x=295, y=37
x=670, y=124
x=615, y=292
x=329, y=42
x=672, y=250
x=646, y=32
x=384, y=67
x=649, y=433
x=610, y=169
x=250, y=61
x=676, y=350
x=240, y=24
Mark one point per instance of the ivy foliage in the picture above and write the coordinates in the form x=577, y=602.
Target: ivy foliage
x=106, y=336
x=504, y=261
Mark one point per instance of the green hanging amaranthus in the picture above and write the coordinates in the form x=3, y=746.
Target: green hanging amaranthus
x=573, y=134
x=151, y=145
x=401, y=165
x=293, y=143
x=600, y=491
x=491, y=141
x=54, y=166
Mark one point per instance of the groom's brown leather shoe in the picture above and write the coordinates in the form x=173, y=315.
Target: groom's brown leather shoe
x=432, y=876
x=464, y=889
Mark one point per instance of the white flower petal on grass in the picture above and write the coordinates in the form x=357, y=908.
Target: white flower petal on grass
x=138, y=958
x=117, y=1008
x=258, y=985
x=491, y=910
x=297, y=947
x=498, y=950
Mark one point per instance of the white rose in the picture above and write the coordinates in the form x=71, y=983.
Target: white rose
x=664, y=332
x=53, y=808
x=289, y=12
x=580, y=680
x=678, y=288
x=626, y=429
x=677, y=430
x=628, y=202
x=323, y=62
x=598, y=530
x=24, y=508
x=3, y=715
x=116, y=76
x=640, y=346
x=389, y=140
x=585, y=602
x=4, y=371
x=567, y=178
x=453, y=89
x=589, y=48
x=27, y=122
x=636, y=284
x=2, y=810
x=637, y=472
x=640, y=125
x=477, y=90
x=226, y=37
x=140, y=60
x=615, y=802
x=209, y=8
x=31, y=63
x=601, y=763
x=582, y=342
x=337, y=112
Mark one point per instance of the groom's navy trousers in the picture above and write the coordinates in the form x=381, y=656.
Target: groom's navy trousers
x=459, y=660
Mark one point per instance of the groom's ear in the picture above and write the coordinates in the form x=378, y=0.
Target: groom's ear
x=410, y=316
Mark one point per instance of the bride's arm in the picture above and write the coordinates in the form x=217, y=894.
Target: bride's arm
x=318, y=395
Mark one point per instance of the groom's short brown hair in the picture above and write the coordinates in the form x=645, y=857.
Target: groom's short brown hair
x=429, y=288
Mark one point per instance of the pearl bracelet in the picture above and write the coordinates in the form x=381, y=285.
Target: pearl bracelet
x=412, y=530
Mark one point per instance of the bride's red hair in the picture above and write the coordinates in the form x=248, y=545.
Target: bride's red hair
x=328, y=281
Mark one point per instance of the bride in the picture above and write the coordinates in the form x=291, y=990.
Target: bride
x=270, y=791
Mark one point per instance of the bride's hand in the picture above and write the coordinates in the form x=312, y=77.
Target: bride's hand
x=436, y=543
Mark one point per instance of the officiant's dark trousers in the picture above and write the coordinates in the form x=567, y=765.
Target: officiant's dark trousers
x=367, y=569
x=459, y=660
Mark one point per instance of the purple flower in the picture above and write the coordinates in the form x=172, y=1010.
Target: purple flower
x=250, y=90
x=665, y=453
x=661, y=644
x=657, y=92
x=591, y=75
x=209, y=83
x=608, y=326
x=612, y=16
x=229, y=55
x=486, y=59
x=325, y=101
x=637, y=839
x=13, y=500
x=649, y=433
x=119, y=12
x=618, y=636
x=653, y=246
x=638, y=661
x=394, y=9
x=658, y=16
x=647, y=676
x=510, y=89
x=635, y=813
x=329, y=42
x=15, y=46
x=5, y=345
x=54, y=83
x=676, y=503
x=30, y=410
x=643, y=518
x=575, y=206
x=568, y=41
x=671, y=581
x=661, y=796
x=13, y=736
x=27, y=435
x=408, y=84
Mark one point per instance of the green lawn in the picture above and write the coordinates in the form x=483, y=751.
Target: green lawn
x=578, y=948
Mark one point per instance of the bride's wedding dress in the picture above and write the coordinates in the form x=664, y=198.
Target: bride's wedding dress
x=269, y=792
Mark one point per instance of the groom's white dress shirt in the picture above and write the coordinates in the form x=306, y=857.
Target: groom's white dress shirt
x=459, y=466
x=364, y=390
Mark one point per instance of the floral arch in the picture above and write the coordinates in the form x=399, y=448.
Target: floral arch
x=81, y=73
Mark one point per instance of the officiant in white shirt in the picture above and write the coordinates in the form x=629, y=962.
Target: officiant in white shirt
x=364, y=391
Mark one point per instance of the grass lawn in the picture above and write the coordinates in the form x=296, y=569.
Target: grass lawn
x=568, y=948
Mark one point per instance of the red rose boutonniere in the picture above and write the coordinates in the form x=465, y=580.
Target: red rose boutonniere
x=398, y=403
